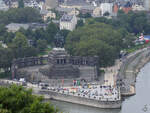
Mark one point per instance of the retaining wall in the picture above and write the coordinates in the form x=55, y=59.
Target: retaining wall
x=81, y=100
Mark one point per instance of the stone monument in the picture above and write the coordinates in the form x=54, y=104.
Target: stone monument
x=57, y=65
x=59, y=62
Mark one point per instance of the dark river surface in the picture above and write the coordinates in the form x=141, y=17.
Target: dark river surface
x=139, y=103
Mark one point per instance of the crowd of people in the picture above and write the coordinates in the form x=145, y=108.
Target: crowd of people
x=97, y=92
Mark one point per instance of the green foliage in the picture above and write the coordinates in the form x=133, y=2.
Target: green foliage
x=6, y=57
x=58, y=15
x=5, y=74
x=133, y=22
x=18, y=45
x=20, y=4
x=97, y=39
x=16, y=99
x=79, y=23
x=106, y=14
x=20, y=15
x=86, y=15
x=51, y=30
x=41, y=45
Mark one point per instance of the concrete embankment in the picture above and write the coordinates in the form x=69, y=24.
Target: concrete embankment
x=129, y=69
x=80, y=100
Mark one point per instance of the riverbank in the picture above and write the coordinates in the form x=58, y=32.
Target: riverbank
x=124, y=75
x=51, y=95
x=129, y=69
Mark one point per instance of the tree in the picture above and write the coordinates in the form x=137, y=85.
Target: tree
x=6, y=57
x=97, y=39
x=41, y=45
x=30, y=51
x=79, y=23
x=20, y=4
x=64, y=33
x=20, y=15
x=106, y=14
x=16, y=99
x=86, y=15
x=51, y=31
x=18, y=45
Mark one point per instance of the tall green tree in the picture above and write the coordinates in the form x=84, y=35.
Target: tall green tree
x=41, y=45
x=20, y=4
x=97, y=39
x=6, y=57
x=18, y=45
x=51, y=30
x=16, y=99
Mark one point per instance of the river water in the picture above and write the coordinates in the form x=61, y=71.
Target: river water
x=139, y=103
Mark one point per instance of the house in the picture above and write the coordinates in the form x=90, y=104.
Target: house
x=76, y=4
x=147, y=5
x=50, y=4
x=137, y=7
x=87, y=9
x=35, y=26
x=3, y=44
x=97, y=12
x=69, y=11
x=68, y=22
x=14, y=4
x=13, y=27
x=127, y=7
x=3, y=6
x=34, y=4
x=106, y=7
x=47, y=14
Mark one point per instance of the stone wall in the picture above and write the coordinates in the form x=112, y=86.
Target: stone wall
x=126, y=78
x=80, y=100
x=74, y=61
x=26, y=62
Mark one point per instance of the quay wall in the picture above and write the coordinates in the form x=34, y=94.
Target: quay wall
x=129, y=70
x=80, y=100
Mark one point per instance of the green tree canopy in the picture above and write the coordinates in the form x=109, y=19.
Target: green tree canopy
x=20, y=15
x=18, y=45
x=97, y=39
x=41, y=45
x=6, y=57
x=20, y=4
x=133, y=22
x=16, y=99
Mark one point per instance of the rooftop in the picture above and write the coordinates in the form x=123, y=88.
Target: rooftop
x=64, y=9
x=66, y=17
x=76, y=2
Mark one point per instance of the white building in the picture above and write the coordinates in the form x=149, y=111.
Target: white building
x=50, y=4
x=138, y=8
x=106, y=7
x=34, y=4
x=68, y=22
x=147, y=4
x=3, y=6
x=13, y=27
x=14, y=4
x=3, y=45
x=47, y=14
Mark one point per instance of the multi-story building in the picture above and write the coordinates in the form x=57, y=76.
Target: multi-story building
x=68, y=22
x=14, y=4
x=106, y=7
x=3, y=6
x=147, y=5
x=50, y=4
x=47, y=14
